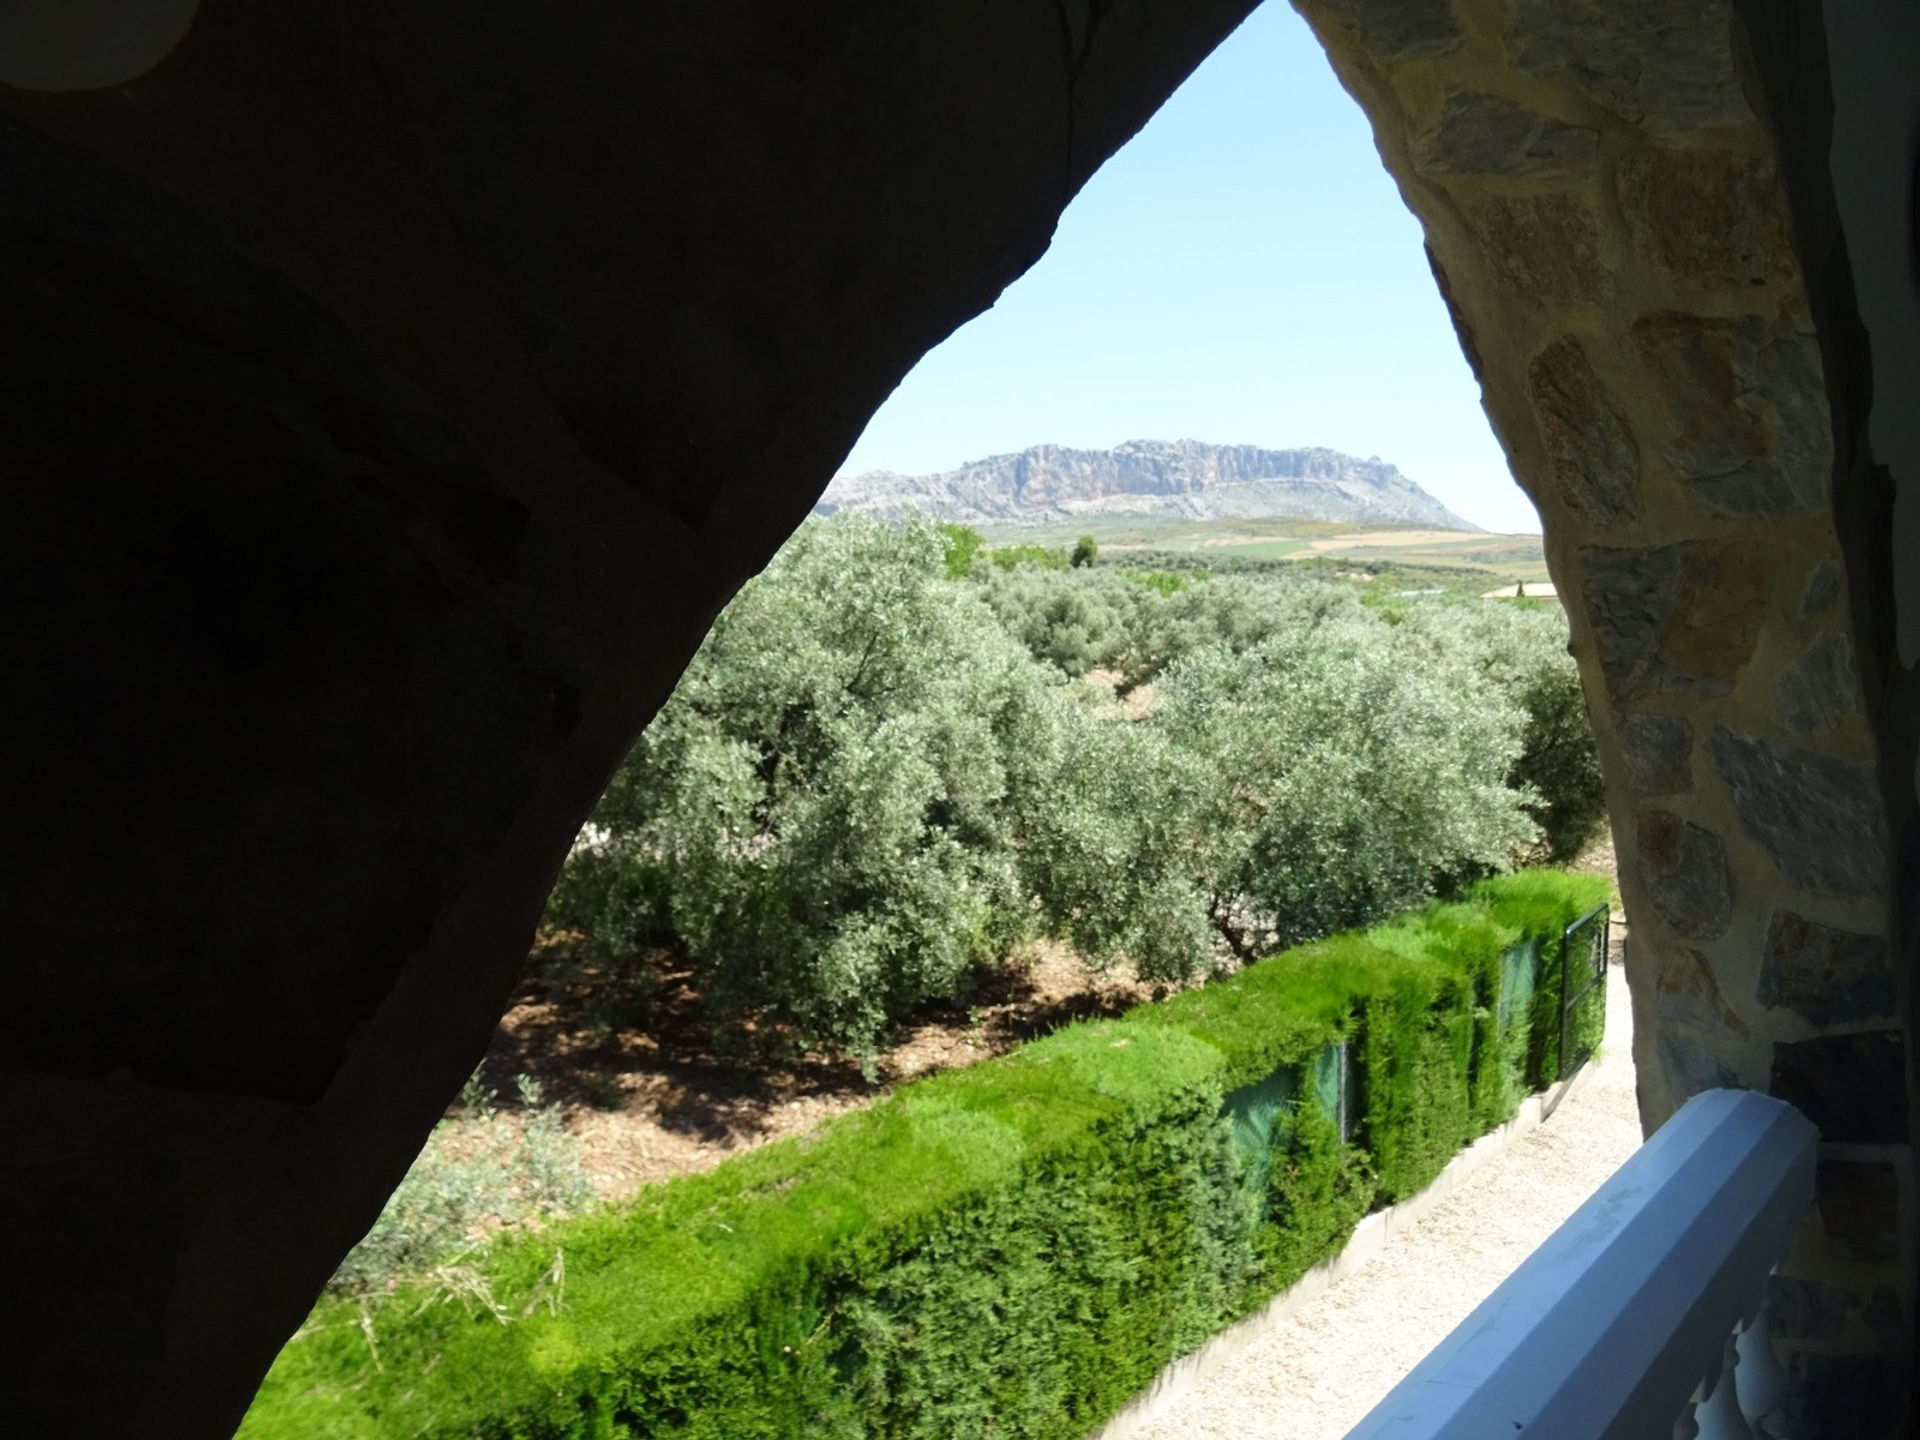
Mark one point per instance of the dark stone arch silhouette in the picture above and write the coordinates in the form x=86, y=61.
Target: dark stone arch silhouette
x=392, y=394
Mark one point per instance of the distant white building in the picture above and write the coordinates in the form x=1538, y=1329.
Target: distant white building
x=1531, y=589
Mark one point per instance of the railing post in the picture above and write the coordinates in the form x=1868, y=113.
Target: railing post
x=1606, y=1329
x=1762, y=1384
x=1714, y=1411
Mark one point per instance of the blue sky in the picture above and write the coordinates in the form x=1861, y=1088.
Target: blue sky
x=1243, y=272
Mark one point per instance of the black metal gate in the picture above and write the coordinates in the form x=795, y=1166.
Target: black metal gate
x=1583, y=969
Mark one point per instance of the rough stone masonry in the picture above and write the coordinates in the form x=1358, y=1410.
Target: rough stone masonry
x=1611, y=214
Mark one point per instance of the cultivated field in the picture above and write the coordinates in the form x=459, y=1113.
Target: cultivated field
x=1463, y=559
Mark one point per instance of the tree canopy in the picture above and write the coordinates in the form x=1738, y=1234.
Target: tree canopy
x=889, y=764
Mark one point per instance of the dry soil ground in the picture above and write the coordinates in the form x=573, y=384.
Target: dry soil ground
x=658, y=1101
x=652, y=1103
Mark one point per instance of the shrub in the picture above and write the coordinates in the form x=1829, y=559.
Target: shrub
x=1164, y=583
x=821, y=815
x=1499, y=1047
x=1068, y=619
x=1015, y=1247
x=1330, y=784
x=1233, y=613
x=1558, y=761
x=960, y=546
x=477, y=1175
x=1520, y=651
x=1012, y=557
x=1541, y=904
x=872, y=782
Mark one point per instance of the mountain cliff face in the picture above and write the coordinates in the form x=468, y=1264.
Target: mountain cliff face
x=1179, y=479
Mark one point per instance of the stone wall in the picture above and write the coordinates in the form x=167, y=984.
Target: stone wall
x=1620, y=237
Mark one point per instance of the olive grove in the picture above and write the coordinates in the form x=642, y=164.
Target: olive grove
x=900, y=754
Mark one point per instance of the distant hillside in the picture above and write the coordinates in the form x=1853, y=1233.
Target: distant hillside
x=1179, y=479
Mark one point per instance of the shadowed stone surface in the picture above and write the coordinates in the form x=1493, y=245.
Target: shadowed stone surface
x=1707, y=218
x=1659, y=751
x=1882, y=1315
x=1688, y=1066
x=1664, y=64
x=1676, y=620
x=1462, y=331
x=1803, y=1309
x=1818, y=817
x=391, y=396
x=1591, y=453
x=127, y=1257
x=1480, y=134
x=1832, y=977
x=1687, y=992
x=1858, y=1203
x=1819, y=688
x=1747, y=425
x=1684, y=868
x=1843, y=1397
x=1396, y=29
x=1854, y=1087
x=1823, y=588
x=87, y=44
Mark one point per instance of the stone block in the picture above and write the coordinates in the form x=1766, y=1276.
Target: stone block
x=1829, y=976
x=1684, y=869
x=1689, y=1067
x=1591, y=453
x=1819, y=688
x=1480, y=134
x=1818, y=818
x=1678, y=619
x=1685, y=990
x=1396, y=29
x=1659, y=750
x=1805, y=1309
x=1823, y=588
x=1707, y=218
x=1747, y=428
x=1854, y=1087
x=1858, y=1202
x=1665, y=65
x=1544, y=249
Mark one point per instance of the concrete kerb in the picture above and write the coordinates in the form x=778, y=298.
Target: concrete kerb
x=1370, y=1237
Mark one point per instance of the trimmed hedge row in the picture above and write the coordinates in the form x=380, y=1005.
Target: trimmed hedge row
x=1012, y=1249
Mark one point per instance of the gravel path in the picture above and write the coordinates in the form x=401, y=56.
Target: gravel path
x=1318, y=1373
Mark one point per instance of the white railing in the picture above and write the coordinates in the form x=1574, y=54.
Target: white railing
x=1647, y=1304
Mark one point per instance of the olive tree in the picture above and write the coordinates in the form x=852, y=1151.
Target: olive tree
x=1303, y=785
x=822, y=814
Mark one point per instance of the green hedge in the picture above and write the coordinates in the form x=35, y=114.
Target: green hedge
x=1013, y=1249
x=1540, y=905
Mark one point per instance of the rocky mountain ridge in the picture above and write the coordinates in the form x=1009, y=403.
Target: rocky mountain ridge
x=1177, y=479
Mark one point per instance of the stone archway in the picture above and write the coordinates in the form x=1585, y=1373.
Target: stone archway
x=394, y=392
x=1622, y=239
